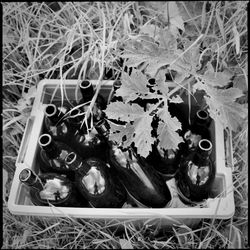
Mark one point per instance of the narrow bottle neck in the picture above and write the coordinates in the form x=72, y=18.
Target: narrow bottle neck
x=102, y=127
x=73, y=161
x=87, y=90
x=53, y=114
x=200, y=160
x=28, y=177
x=117, y=84
x=203, y=152
x=49, y=146
x=201, y=118
x=151, y=84
x=114, y=97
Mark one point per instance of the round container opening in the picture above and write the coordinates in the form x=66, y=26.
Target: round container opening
x=202, y=114
x=70, y=158
x=45, y=139
x=151, y=81
x=25, y=174
x=85, y=84
x=205, y=144
x=117, y=84
x=50, y=110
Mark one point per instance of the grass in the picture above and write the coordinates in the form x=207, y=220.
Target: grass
x=82, y=40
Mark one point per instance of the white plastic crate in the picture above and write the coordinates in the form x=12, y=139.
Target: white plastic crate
x=220, y=206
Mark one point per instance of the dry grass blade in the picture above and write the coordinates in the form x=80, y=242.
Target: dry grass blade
x=83, y=40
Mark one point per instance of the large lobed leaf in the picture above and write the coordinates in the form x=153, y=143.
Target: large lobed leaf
x=123, y=112
x=138, y=132
x=166, y=117
x=168, y=139
x=143, y=139
x=222, y=105
x=132, y=86
x=216, y=79
x=138, y=126
x=167, y=130
x=154, y=56
x=123, y=135
x=162, y=51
